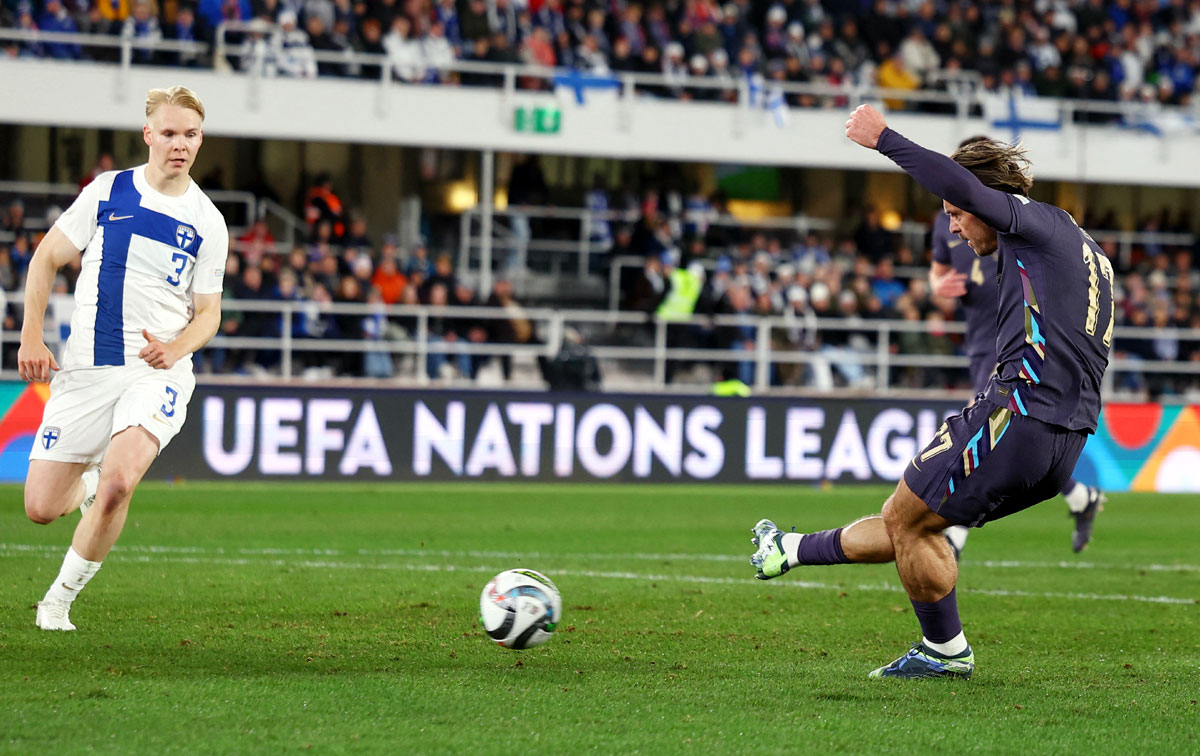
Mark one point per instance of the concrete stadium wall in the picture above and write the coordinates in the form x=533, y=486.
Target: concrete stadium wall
x=345, y=110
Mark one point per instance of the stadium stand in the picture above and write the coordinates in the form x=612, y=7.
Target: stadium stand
x=829, y=299
x=1134, y=51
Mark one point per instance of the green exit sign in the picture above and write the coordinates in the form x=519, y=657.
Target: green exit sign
x=537, y=120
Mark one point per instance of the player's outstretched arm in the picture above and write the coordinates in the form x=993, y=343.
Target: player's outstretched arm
x=936, y=172
x=206, y=318
x=34, y=359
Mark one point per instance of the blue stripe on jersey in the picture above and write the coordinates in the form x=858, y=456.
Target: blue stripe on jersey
x=123, y=217
x=1029, y=369
x=1016, y=395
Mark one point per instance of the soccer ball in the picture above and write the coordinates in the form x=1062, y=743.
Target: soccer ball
x=520, y=608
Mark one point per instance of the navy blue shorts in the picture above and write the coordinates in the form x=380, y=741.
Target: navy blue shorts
x=989, y=462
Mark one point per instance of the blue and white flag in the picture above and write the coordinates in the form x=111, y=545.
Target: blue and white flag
x=578, y=83
x=1020, y=113
x=758, y=97
x=1161, y=122
x=777, y=107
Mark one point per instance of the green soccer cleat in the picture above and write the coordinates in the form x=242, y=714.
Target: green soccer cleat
x=769, y=560
x=922, y=661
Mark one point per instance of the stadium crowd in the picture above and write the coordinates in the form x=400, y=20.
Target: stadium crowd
x=826, y=287
x=1129, y=50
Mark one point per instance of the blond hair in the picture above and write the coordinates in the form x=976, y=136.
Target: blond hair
x=180, y=96
x=997, y=165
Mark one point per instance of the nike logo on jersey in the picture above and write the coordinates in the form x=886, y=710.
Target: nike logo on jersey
x=954, y=243
x=115, y=217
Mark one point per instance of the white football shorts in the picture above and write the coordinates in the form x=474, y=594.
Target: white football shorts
x=90, y=405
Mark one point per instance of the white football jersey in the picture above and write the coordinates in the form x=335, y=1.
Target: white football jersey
x=144, y=255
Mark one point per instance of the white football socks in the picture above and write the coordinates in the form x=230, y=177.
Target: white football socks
x=75, y=573
x=791, y=547
x=952, y=647
x=1077, y=500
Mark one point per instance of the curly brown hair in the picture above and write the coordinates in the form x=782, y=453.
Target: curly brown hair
x=997, y=164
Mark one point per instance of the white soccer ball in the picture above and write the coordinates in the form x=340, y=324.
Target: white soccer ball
x=520, y=608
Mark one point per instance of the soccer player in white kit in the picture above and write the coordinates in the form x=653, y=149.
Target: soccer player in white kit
x=148, y=296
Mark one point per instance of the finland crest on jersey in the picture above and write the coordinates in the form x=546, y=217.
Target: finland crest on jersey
x=145, y=255
x=50, y=436
x=184, y=236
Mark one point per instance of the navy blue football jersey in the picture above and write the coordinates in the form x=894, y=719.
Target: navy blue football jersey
x=980, y=305
x=1055, y=298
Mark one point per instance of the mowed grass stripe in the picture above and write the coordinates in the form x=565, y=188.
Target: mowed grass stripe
x=590, y=557
x=160, y=558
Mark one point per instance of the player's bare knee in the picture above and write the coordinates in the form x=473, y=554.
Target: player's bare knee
x=39, y=509
x=893, y=519
x=114, y=491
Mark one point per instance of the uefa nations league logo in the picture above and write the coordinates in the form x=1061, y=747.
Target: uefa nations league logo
x=50, y=437
x=184, y=236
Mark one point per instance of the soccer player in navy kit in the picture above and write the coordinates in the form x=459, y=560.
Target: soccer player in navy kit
x=1017, y=443
x=958, y=272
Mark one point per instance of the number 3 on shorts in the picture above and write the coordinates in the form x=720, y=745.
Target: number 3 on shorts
x=168, y=408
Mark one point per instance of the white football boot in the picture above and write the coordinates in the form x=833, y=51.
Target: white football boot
x=54, y=615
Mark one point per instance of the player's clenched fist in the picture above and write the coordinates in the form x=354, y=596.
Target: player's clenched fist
x=156, y=353
x=865, y=125
x=35, y=362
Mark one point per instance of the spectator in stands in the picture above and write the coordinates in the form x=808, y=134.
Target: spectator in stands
x=739, y=300
x=253, y=324
x=55, y=18
x=893, y=73
x=14, y=219
x=322, y=39
x=437, y=53
x=321, y=204
x=214, y=12
x=473, y=22
x=356, y=234
x=872, y=239
x=22, y=252
x=884, y=284
x=185, y=29
x=418, y=263
x=291, y=49
x=649, y=288
x=143, y=25
x=388, y=280
x=442, y=332
x=404, y=53
x=9, y=278
x=443, y=275
x=377, y=363
x=516, y=328
x=256, y=242
x=371, y=43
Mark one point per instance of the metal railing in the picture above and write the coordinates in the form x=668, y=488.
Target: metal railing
x=240, y=209
x=554, y=254
x=962, y=97
x=614, y=337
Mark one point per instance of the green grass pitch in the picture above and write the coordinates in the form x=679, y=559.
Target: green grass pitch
x=287, y=618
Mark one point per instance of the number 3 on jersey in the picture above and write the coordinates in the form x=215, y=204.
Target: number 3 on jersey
x=168, y=407
x=180, y=260
x=1094, y=261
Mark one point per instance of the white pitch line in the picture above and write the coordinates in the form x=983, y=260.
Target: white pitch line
x=159, y=558
x=588, y=557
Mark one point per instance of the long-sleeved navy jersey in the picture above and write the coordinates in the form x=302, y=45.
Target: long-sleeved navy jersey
x=981, y=302
x=1055, y=300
